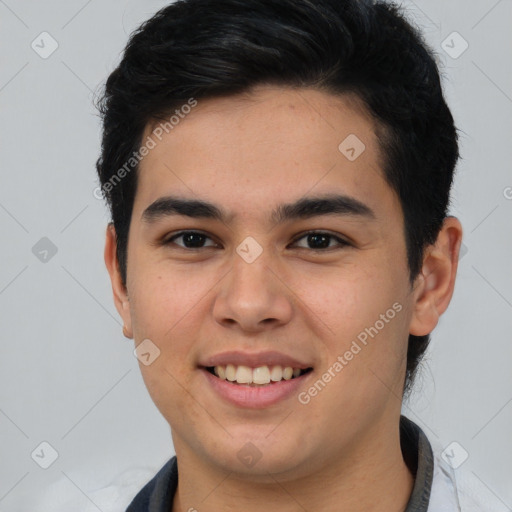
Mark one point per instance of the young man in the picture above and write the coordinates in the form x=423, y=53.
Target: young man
x=278, y=173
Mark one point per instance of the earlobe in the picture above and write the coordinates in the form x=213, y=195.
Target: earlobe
x=119, y=290
x=434, y=286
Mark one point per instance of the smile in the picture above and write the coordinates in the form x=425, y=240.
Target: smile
x=260, y=376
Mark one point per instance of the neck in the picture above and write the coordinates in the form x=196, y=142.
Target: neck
x=373, y=477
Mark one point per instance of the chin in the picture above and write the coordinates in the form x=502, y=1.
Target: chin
x=258, y=456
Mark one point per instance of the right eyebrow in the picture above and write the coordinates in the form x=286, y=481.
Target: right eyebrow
x=170, y=205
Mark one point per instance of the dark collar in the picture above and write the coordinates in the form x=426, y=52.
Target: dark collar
x=158, y=494
x=419, y=458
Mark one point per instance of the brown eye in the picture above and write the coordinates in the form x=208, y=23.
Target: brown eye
x=318, y=240
x=191, y=240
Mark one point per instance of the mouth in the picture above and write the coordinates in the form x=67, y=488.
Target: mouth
x=260, y=376
x=258, y=387
x=254, y=380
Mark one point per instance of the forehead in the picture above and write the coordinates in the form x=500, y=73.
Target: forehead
x=271, y=143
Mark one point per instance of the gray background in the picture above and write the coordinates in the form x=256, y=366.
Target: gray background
x=67, y=374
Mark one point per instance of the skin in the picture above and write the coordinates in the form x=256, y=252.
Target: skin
x=247, y=154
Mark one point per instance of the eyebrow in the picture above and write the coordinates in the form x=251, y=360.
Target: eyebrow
x=306, y=207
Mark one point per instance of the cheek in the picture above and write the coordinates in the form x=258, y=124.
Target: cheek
x=345, y=300
x=361, y=315
x=161, y=300
x=167, y=311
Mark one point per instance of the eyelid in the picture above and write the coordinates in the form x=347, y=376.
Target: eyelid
x=170, y=238
x=342, y=242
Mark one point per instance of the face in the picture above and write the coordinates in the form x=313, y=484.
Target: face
x=297, y=261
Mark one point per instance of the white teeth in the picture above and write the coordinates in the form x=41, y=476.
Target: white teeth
x=243, y=375
x=220, y=371
x=261, y=375
x=276, y=374
x=287, y=373
x=231, y=372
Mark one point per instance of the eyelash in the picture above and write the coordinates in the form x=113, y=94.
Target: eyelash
x=341, y=242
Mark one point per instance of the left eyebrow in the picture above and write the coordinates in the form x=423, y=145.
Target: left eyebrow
x=325, y=205
x=306, y=207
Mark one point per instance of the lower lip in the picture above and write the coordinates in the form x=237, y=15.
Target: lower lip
x=255, y=397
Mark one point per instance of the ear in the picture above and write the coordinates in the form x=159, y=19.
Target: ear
x=433, y=288
x=119, y=290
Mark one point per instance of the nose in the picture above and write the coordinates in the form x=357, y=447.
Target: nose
x=252, y=297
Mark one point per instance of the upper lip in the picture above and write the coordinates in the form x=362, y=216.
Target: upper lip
x=253, y=360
